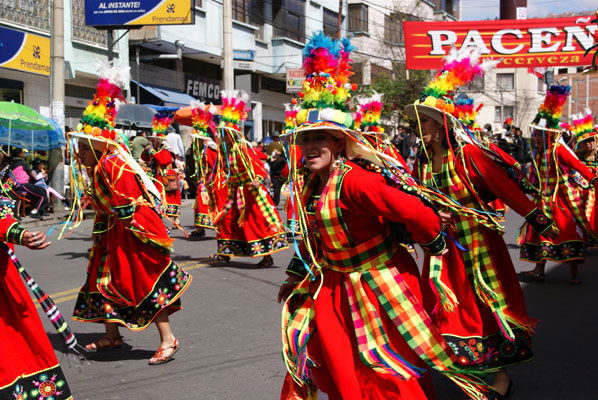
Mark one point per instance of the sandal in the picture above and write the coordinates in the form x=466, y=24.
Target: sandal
x=532, y=276
x=266, y=262
x=105, y=343
x=220, y=257
x=160, y=358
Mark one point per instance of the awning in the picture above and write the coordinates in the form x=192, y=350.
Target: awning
x=167, y=96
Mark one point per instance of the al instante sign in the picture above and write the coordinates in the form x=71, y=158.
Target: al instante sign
x=547, y=42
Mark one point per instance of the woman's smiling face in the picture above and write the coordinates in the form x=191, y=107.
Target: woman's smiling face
x=320, y=149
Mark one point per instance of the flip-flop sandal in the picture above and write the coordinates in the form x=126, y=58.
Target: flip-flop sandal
x=532, y=276
x=105, y=343
x=160, y=358
x=266, y=263
x=219, y=257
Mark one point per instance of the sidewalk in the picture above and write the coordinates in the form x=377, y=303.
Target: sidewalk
x=54, y=218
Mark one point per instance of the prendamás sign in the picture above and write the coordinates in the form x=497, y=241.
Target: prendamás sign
x=546, y=42
x=24, y=51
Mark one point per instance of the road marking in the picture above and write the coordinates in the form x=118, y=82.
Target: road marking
x=64, y=296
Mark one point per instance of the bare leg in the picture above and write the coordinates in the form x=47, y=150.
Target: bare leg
x=540, y=268
x=111, y=339
x=535, y=275
x=112, y=331
x=266, y=262
x=168, y=343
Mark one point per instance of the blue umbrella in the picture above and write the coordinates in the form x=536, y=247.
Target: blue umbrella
x=39, y=133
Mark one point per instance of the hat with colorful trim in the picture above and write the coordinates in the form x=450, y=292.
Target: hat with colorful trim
x=324, y=98
x=202, y=120
x=460, y=68
x=98, y=119
x=582, y=127
x=233, y=110
x=550, y=111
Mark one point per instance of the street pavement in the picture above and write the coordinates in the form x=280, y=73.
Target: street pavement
x=229, y=328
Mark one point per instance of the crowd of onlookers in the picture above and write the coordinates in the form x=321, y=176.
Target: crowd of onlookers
x=25, y=180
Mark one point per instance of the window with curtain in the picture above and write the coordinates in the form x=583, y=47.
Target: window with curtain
x=505, y=82
x=289, y=19
x=358, y=18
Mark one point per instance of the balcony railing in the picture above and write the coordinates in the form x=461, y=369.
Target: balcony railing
x=83, y=32
x=30, y=13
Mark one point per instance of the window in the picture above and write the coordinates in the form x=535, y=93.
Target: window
x=477, y=85
x=392, y=29
x=330, y=23
x=289, y=19
x=562, y=71
x=358, y=18
x=505, y=82
x=501, y=113
x=249, y=11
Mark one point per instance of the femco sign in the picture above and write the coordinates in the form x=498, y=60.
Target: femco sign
x=142, y=12
x=545, y=42
x=206, y=90
x=24, y=52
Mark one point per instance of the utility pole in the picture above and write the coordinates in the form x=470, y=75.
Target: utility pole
x=110, y=44
x=227, y=50
x=55, y=158
x=340, y=18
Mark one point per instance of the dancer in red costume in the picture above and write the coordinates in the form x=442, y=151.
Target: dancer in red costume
x=248, y=225
x=164, y=169
x=210, y=176
x=131, y=280
x=353, y=323
x=29, y=368
x=557, y=171
x=474, y=298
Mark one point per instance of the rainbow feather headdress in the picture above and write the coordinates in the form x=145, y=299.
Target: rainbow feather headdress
x=549, y=113
x=202, y=120
x=326, y=90
x=582, y=127
x=99, y=116
x=369, y=112
x=290, y=117
x=466, y=111
x=233, y=109
x=460, y=68
x=161, y=122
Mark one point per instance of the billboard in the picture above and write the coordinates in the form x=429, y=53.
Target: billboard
x=141, y=12
x=24, y=52
x=295, y=79
x=546, y=42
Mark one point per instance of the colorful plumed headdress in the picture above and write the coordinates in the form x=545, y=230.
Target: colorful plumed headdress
x=233, y=109
x=549, y=113
x=369, y=112
x=99, y=116
x=324, y=98
x=582, y=126
x=460, y=68
x=202, y=120
x=290, y=117
x=466, y=111
x=161, y=122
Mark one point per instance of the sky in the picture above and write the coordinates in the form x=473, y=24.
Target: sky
x=488, y=9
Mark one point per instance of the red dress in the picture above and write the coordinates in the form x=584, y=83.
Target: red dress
x=130, y=277
x=169, y=178
x=249, y=224
x=212, y=190
x=566, y=211
x=471, y=328
x=588, y=203
x=29, y=368
x=336, y=366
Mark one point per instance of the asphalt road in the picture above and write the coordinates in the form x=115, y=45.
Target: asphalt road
x=230, y=329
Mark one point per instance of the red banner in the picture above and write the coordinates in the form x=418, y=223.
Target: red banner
x=547, y=42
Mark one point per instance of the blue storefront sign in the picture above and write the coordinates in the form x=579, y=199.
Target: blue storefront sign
x=24, y=51
x=140, y=12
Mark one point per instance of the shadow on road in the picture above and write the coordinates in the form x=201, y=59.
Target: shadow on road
x=71, y=255
x=126, y=352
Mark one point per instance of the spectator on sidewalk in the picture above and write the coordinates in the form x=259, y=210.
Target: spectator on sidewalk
x=139, y=144
x=23, y=176
x=275, y=145
x=277, y=164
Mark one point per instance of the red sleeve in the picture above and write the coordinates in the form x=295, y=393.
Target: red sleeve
x=11, y=230
x=258, y=165
x=378, y=199
x=163, y=158
x=124, y=185
x=487, y=175
x=569, y=160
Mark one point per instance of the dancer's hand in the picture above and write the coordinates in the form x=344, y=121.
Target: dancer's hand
x=446, y=218
x=97, y=238
x=255, y=183
x=287, y=287
x=35, y=240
